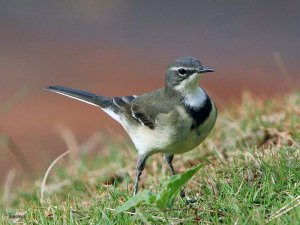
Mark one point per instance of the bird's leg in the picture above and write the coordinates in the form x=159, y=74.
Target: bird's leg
x=169, y=159
x=140, y=165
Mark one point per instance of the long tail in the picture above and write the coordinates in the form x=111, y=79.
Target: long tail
x=87, y=97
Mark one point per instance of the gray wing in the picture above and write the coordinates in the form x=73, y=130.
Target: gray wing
x=147, y=107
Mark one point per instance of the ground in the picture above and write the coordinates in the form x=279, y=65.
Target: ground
x=249, y=174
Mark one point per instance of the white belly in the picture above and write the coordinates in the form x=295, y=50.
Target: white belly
x=173, y=136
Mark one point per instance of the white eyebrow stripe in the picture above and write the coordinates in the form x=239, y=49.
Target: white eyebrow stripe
x=182, y=67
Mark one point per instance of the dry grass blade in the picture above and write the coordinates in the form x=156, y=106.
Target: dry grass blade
x=6, y=107
x=53, y=187
x=283, y=70
x=43, y=186
x=239, y=189
x=9, y=144
x=7, y=186
x=91, y=143
x=236, y=222
x=288, y=207
x=70, y=140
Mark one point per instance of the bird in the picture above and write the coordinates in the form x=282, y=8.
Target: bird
x=171, y=120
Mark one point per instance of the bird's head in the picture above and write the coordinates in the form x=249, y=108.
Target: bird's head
x=184, y=73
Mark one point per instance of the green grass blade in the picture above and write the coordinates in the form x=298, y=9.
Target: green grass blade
x=173, y=187
x=141, y=197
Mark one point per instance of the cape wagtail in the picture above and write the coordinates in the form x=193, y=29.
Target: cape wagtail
x=171, y=120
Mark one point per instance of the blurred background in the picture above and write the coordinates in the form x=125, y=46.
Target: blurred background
x=123, y=47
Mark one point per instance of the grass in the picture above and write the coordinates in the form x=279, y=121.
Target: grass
x=250, y=174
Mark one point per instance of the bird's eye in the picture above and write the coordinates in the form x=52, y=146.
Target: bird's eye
x=181, y=71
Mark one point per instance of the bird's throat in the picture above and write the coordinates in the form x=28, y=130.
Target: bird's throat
x=190, y=84
x=194, y=98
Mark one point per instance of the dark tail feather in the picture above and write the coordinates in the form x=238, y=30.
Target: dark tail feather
x=83, y=96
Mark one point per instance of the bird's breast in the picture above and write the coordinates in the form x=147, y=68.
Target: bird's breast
x=175, y=132
x=195, y=130
x=199, y=114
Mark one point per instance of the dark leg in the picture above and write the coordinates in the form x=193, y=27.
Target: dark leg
x=140, y=165
x=169, y=159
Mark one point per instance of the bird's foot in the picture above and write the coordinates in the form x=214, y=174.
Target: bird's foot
x=188, y=200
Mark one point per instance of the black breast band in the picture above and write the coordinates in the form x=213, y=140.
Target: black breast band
x=199, y=115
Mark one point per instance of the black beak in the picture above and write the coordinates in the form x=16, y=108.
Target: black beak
x=207, y=70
